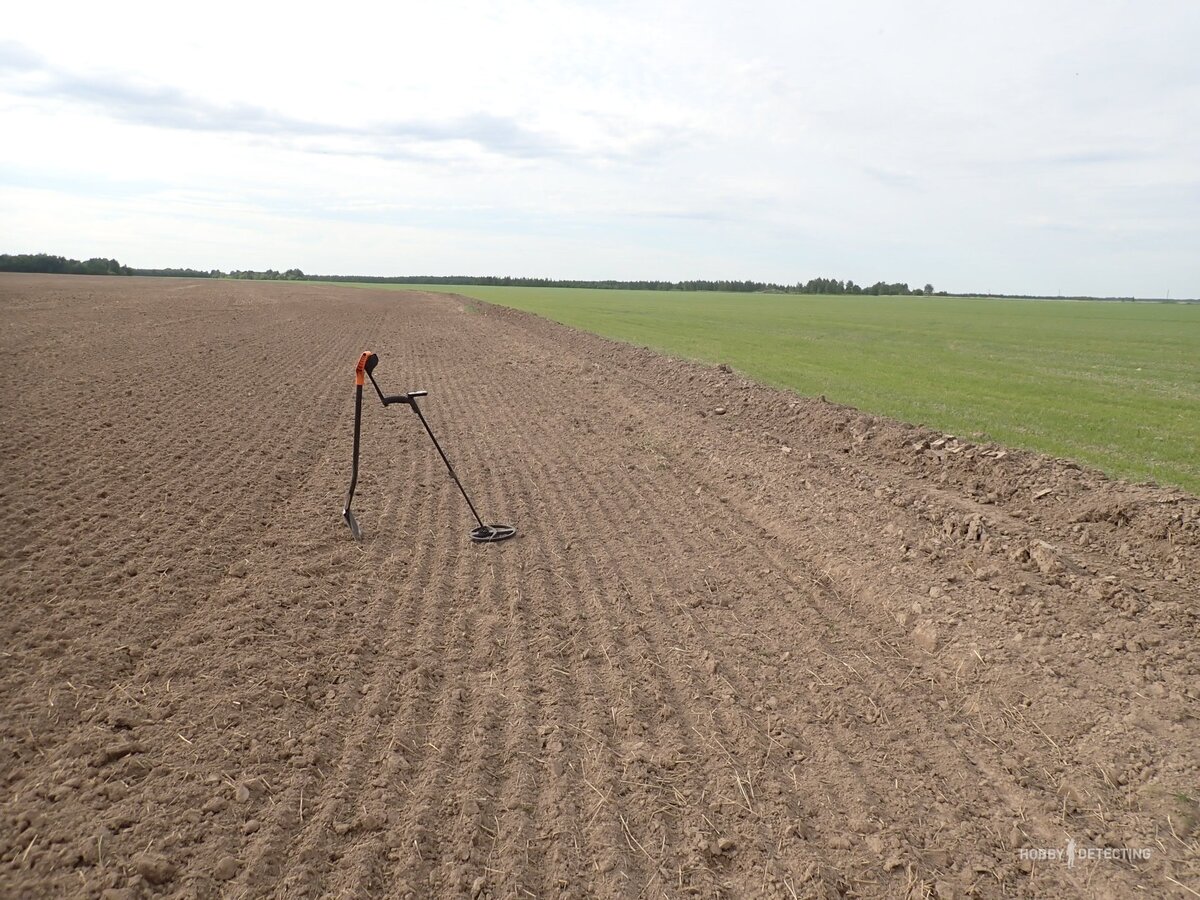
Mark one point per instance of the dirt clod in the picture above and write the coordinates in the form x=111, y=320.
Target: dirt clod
x=226, y=868
x=1046, y=557
x=925, y=636
x=113, y=752
x=154, y=867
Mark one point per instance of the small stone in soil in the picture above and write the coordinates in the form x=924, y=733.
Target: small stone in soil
x=225, y=869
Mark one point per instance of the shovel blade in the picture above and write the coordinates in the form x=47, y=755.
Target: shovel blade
x=353, y=523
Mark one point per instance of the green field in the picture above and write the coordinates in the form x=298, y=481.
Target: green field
x=1115, y=385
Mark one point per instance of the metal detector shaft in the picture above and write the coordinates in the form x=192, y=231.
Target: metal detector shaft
x=412, y=401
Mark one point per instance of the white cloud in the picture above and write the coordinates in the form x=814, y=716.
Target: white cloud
x=1015, y=147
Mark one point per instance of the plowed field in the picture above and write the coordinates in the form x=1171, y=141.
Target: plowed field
x=746, y=644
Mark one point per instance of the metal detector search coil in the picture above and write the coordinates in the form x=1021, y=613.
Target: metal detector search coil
x=367, y=361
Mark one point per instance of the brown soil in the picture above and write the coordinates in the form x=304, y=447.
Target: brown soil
x=789, y=650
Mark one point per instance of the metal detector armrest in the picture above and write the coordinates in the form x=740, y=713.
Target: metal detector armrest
x=403, y=398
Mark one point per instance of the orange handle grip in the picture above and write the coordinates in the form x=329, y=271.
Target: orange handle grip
x=360, y=370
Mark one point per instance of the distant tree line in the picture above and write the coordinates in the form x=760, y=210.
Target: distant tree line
x=813, y=286
x=45, y=262
x=181, y=273
x=60, y=265
x=289, y=275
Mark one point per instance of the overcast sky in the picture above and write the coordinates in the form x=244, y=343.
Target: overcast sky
x=1043, y=147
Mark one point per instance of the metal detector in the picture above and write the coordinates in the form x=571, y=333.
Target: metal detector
x=484, y=534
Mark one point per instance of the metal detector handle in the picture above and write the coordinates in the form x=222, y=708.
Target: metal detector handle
x=366, y=365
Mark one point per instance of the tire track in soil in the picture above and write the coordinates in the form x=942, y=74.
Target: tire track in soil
x=582, y=748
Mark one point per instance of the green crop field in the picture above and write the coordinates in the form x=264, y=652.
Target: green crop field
x=1115, y=385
